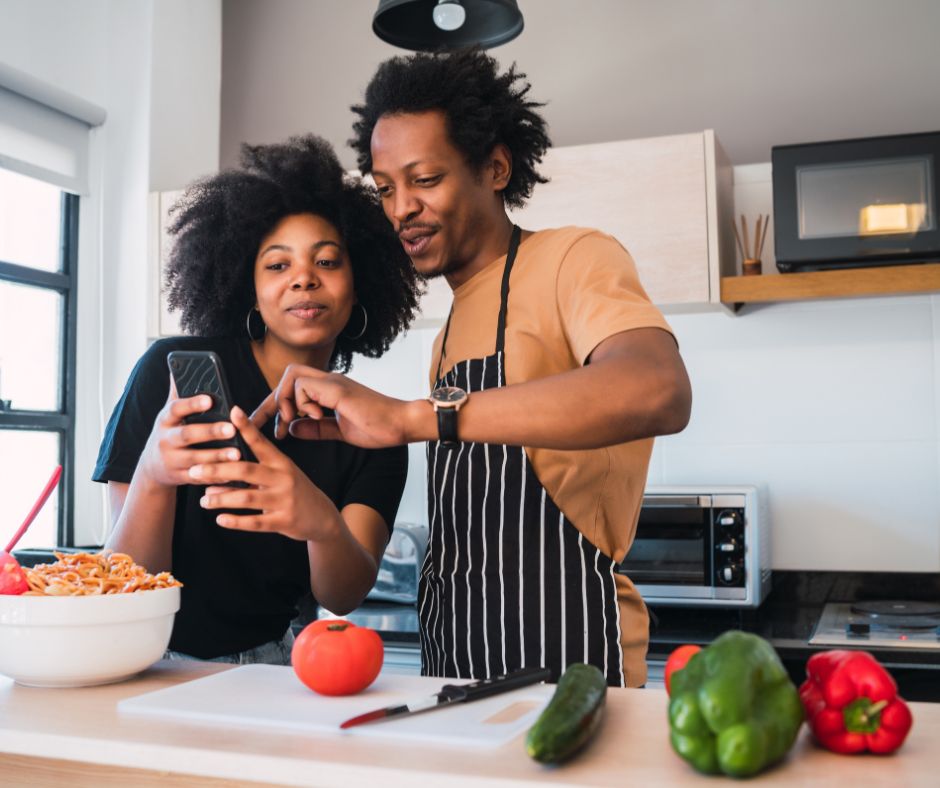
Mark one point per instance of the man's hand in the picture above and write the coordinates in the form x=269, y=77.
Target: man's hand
x=362, y=417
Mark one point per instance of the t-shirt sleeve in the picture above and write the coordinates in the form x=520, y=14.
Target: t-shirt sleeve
x=132, y=421
x=599, y=294
x=378, y=482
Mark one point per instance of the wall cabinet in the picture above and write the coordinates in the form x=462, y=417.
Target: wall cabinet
x=668, y=200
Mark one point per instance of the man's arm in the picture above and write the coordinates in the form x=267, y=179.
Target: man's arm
x=634, y=386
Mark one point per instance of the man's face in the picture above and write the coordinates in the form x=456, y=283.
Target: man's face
x=440, y=207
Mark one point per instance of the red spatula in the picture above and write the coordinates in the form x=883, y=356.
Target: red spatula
x=12, y=577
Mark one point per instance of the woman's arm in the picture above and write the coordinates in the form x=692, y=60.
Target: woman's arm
x=344, y=548
x=142, y=522
x=142, y=512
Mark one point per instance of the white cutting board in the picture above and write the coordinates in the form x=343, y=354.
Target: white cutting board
x=272, y=697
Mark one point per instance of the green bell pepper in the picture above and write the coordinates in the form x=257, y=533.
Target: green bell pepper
x=733, y=708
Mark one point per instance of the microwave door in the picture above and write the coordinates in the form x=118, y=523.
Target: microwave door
x=672, y=547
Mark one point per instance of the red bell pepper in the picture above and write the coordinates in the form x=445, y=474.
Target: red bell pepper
x=852, y=705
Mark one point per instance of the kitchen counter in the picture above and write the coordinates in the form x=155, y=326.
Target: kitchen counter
x=53, y=737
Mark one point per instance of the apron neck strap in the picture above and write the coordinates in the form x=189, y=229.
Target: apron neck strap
x=503, y=302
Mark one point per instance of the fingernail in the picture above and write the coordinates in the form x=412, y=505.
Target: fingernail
x=195, y=471
x=204, y=501
x=222, y=520
x=228, y=430
x=232, y=455
x=237, y=410
x=205, y=402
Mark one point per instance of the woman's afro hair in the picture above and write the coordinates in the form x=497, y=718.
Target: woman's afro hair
x=483, y=108
x=220, y=221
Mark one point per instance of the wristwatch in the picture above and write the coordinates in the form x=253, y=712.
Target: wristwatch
x=447, y=400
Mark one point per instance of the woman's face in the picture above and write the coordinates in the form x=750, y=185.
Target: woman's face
x=304, y=282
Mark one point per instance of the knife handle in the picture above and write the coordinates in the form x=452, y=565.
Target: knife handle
x=493, y=686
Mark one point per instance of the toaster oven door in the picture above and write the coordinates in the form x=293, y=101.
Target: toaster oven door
x=673, y=546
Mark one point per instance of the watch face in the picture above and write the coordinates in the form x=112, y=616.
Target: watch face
x=448, y=394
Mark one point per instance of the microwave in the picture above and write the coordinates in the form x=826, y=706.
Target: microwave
x=853, y=203
x=701, y=546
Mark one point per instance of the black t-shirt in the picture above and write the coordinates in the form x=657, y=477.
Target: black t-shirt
x=240, y=588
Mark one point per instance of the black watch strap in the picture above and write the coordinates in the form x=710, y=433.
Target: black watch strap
x=447, y=426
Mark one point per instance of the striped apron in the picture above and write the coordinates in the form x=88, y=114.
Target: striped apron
x=507, y=580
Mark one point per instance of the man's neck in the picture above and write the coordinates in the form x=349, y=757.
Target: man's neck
x=493, y=245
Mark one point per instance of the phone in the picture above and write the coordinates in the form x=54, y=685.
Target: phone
x=198, y=372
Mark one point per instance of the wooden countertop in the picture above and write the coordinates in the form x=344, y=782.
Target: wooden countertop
x=53, y=737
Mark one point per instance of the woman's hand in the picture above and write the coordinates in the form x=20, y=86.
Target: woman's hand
x=169, y=455
x=363, y=417
x=289, y=503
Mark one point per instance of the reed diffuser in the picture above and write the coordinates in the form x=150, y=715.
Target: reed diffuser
x=750, y=255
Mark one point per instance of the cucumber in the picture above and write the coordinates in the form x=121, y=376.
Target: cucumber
x=571, y=717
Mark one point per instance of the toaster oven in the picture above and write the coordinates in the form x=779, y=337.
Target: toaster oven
x=701, y=546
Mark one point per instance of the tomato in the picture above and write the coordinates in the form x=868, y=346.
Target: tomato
x=678, y=660
x=335, y=657
x=12, y=576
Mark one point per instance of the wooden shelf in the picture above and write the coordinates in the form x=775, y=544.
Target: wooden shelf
x=847, y=283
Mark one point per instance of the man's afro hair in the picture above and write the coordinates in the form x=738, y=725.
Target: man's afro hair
x=482, y=106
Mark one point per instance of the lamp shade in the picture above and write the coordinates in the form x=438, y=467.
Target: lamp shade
x=410, y=24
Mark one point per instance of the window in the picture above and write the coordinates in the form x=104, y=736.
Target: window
x=38, y=254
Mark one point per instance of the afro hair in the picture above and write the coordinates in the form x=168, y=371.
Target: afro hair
x=221, y=220
x=483, y=108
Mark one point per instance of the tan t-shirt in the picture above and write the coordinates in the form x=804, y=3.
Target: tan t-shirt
x=570, y=289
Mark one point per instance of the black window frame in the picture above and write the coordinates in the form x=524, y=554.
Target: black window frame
x=62, y=421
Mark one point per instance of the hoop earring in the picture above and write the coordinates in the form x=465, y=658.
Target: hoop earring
x=365, y=322
x=248, y=326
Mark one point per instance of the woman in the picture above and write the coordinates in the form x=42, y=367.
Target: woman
x=282, y=262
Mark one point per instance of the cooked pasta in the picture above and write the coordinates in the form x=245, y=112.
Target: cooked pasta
x=79, y=574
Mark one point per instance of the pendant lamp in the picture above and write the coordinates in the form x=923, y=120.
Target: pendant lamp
x=429, y=25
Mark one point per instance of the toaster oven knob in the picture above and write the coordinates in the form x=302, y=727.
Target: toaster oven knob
x=728, y=546
x=729, y=518
x=730, y=574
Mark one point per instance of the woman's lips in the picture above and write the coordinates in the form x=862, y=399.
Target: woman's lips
x=307, y=312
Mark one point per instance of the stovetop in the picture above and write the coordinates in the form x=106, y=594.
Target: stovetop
x=881, y=624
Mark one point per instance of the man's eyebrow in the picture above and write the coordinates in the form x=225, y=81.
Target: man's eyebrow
x=409, y=166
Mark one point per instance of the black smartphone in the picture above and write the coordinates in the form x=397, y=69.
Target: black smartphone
x=198, y=372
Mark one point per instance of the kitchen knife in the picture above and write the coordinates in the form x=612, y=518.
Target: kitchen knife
x=455, y=693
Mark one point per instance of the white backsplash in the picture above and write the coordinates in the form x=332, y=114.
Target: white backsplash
x=834, y=407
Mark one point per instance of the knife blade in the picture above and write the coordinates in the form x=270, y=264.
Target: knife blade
x=455, y=693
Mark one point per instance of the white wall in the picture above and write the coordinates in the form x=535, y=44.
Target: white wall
x=186, y=77
x=834, y=407
x=759, y=72
x=104, y=51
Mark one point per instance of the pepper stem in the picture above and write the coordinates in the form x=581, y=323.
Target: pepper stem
x=337, y=627
x=863, y=716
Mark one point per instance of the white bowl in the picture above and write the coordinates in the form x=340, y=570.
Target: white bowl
x=77, y=641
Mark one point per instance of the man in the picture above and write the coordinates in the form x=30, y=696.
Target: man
x=550, y=379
